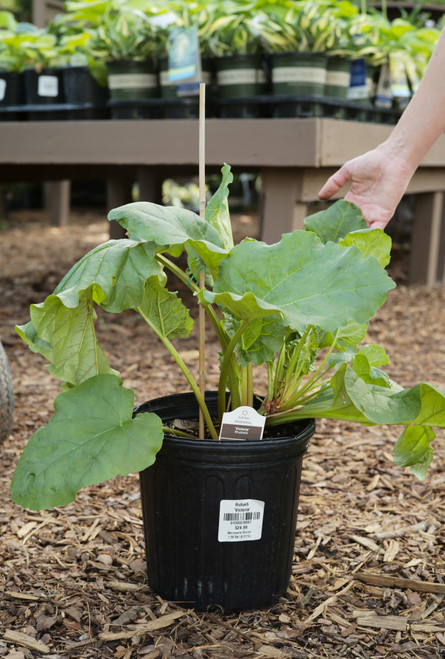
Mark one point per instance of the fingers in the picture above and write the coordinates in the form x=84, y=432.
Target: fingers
x=334, y=183
x=377, y=224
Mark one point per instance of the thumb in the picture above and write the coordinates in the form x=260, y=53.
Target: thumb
x=335, y=183
x=377, y=224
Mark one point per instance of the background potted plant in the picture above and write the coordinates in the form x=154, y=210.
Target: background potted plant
x=12, y=82
x=43, y=72
x=229, y=36
x=297, y=38
x=18, y=42
x=84, y=76
x=297, y=309
x=125, y=38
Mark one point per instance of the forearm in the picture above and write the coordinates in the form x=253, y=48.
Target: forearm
x=423, y=121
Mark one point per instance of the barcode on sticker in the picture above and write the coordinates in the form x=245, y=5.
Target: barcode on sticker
x=240, y=520
x=241, y=517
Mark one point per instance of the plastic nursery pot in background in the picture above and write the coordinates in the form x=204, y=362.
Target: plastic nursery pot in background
x=220, y=516
x=239, y=79
x=82, y=89
x=44, y=88
x=130, y=83
x=301, y=77
x=177, y=106
x=12, y=94
x=338, y=75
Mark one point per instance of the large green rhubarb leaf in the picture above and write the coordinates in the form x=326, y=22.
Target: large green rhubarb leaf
x=112, y=275
x=336, y=222
x=92, y=437
x=422, y=404
x=116, y=271
x=67, y=338
x=371, y=242
x=171, y=228
x=164, y=311
x=303, y=280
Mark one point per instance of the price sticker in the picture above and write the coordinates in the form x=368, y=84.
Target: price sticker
x=240, y=520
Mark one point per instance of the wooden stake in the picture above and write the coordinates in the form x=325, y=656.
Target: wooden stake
x=202, y=207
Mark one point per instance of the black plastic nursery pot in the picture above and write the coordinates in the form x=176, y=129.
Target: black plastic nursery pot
x=220, y=516
x=174, y=105
x=44, y=88
x=131, y=81
x=240, y=77
x=338, y=76
x=82, y=90
x=298, y=74
x=12, y=94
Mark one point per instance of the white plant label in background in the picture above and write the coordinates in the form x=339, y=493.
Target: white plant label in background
x=2, y=89
x=48, y=86
x=240, y=520
x=242, y=423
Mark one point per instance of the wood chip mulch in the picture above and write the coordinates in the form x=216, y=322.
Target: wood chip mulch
x=368, y=575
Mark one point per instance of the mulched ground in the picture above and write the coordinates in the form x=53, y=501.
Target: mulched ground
x=368, y=574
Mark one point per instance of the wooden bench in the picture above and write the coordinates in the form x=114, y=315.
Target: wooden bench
x=293, y=156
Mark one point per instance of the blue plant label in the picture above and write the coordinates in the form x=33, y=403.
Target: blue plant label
x=240, y=520
x=184, y=60
x=243, y=423
x=358, y=87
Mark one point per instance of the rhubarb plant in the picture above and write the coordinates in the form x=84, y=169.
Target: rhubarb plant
x=298, y=308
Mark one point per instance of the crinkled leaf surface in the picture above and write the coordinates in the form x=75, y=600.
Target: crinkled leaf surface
x=62, y=327
x=336, y=222
x=171, y=228
x=303, y=280
x=261, y=340
x=164, y=311
x=371, y=242
x=413, y=445
x=116, y=271
x=92, y=437
x=375, y=355
x=345, y=337
x=66, y=337
x=422, y=404
x=368, y=373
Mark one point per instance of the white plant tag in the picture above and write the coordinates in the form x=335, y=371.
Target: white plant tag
x=2, y=88
x=242, y=423
x=384, y=92
x=240, y=520
x=48, y=86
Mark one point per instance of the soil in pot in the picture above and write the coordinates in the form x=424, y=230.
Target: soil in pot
x=12, y=94
x=220, y=516
x=130, y=83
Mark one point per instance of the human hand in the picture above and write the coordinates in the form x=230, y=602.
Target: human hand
x=378, y=182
